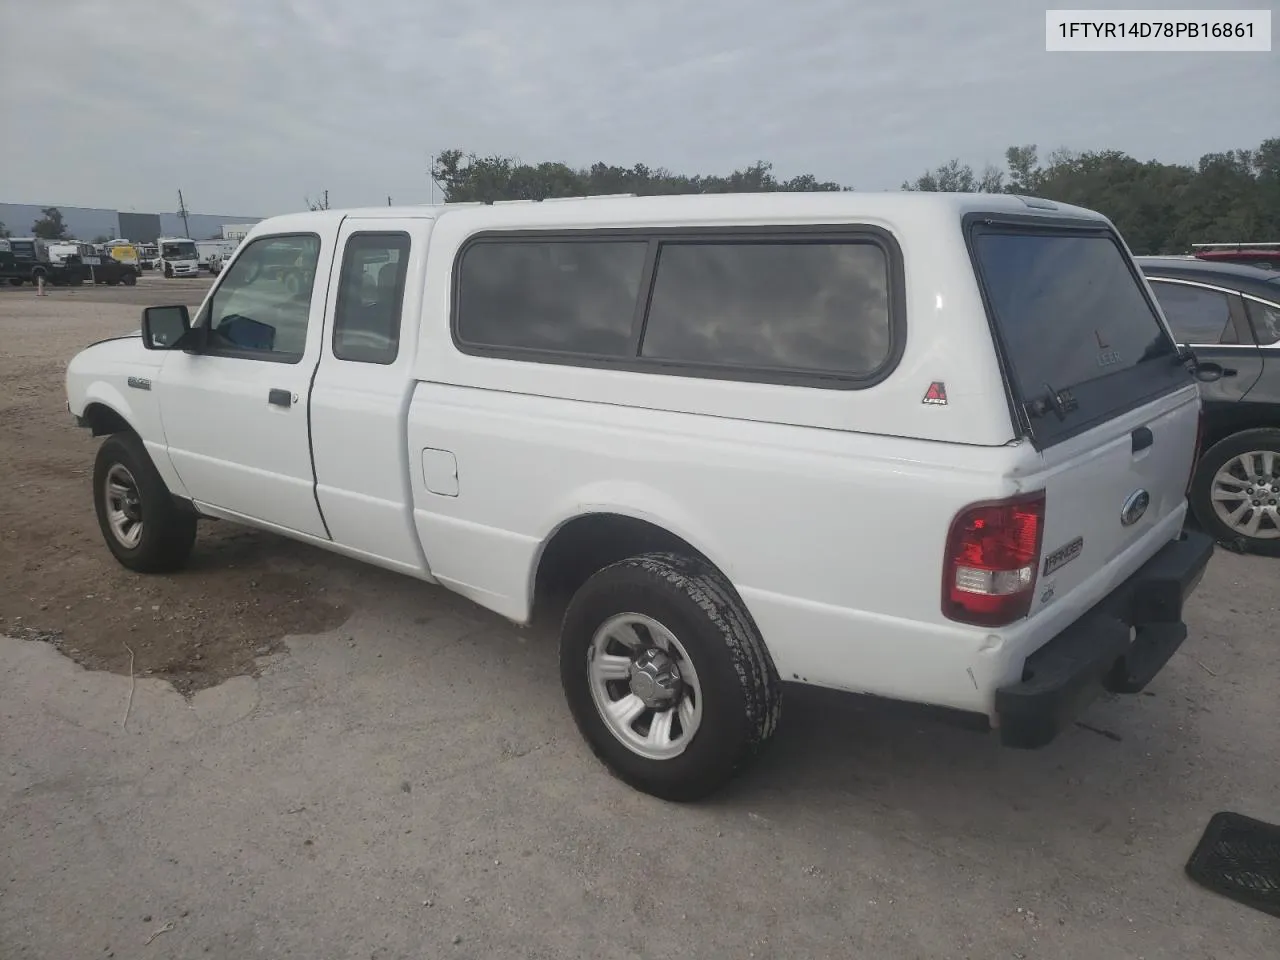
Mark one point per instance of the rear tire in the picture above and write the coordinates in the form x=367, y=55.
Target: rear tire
x=669, y=611
x=1235, y=493
x=144, y=529
x=129, y=279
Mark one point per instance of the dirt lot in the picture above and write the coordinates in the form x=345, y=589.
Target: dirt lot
x=243, y=590
x=356, y=765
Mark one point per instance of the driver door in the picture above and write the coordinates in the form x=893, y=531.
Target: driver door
x=235, y=412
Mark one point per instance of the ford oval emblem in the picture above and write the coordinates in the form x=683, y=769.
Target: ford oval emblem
x=1135, y=507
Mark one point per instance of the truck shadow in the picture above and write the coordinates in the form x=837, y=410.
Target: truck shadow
x=1132, y=764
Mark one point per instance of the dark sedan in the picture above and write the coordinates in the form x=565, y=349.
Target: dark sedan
x=1229, y=316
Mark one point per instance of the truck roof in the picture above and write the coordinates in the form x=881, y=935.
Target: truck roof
x=582, y=212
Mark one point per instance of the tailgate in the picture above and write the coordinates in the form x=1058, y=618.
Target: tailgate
x=1111, y=486
x=1095, y=381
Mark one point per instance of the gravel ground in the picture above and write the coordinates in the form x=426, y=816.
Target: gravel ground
x=324, y=759
x=242, y=592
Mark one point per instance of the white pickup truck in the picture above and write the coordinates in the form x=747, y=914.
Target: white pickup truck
x=928, y=447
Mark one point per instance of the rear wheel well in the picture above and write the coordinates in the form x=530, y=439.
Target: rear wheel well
x=1243, y=416
x=103, y=421
x=590, y=543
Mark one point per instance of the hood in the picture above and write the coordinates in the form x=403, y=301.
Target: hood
x=115, y=353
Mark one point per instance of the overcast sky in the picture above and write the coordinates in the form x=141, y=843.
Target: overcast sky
x=248, y=105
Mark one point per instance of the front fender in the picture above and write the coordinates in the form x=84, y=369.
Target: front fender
x=101, y=370
x=118, y=375
x=101, y=392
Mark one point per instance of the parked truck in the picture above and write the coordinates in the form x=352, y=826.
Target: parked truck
x=930, y=447
x=122, y=251
x=73, y=261
x=57, y=263
x=211, y=252
x=8, y=266
x=177, y=257
x=110, y=271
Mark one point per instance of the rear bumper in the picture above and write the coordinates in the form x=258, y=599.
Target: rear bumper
x=1096, y=653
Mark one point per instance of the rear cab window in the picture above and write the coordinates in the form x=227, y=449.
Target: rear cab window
x=366, y=318
x=1080, y=341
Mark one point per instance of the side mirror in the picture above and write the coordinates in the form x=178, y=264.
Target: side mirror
x=163, y=328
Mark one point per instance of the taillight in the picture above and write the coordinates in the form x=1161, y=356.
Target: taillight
x=993, y=553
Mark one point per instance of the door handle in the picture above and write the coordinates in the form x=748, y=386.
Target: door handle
x=281, y=398
x=1208, y=372
x=1142, y=438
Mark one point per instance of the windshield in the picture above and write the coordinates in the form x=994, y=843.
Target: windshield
x=179, y=250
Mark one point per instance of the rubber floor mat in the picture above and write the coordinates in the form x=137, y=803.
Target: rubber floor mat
x=1239, y=857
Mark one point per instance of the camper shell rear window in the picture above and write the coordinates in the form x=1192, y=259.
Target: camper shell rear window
x=1079, y=338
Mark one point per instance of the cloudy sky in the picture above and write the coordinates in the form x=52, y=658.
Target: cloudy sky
x=248, y=105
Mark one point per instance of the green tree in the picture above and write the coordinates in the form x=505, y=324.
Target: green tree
x=468, y=177
x=4, y=231
x=101, y=238
x=1024, y=169
x=950, y=177
x=50, y=225
x=1157, y=207
x=1266, y=170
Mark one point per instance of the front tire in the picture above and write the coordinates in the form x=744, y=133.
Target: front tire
x=1236, y=491
x=666, y=676
x=130, y=279
x=143, y=527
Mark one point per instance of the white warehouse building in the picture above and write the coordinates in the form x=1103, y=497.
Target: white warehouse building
x=236, y=231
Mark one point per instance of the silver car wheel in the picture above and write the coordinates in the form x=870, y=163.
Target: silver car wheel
x=1246, y=494
x=645, y=686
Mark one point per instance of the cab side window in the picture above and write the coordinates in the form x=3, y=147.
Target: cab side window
x=1196, y=315
x=261, y=307
x=366, y=320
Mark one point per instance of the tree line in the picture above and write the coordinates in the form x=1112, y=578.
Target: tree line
x=1158, y=207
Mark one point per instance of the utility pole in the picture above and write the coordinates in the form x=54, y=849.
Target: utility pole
x=182, y=212
x=388, y=200
x=431, y=175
